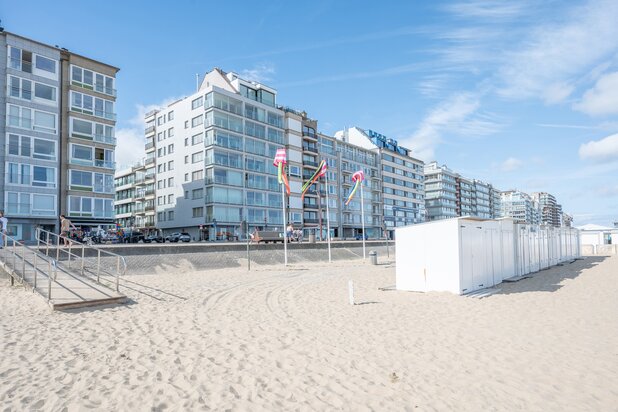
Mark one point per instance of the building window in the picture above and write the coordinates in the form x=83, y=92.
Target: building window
x=198, y=193
x=170, y=149
x=170, y=115
x=197, y=157
x=197, y=139
x=196, y=121
x=197, y=175
x=198, y=212
x=199, y=102
x=170, y=165
x=170, y=182
x=170, y=199
x=170, y=215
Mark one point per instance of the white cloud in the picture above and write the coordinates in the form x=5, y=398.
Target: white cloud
x=602, y=99
x=457, y=115
x=511, y=164
x=604, y=150
x=485, y=9
x=130, y=140
x=260, y=73
x=549, y=62
x=130, y=149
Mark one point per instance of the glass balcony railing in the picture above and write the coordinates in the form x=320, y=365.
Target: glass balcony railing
x=96, y=163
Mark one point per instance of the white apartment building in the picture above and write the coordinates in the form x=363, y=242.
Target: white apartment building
x=520, y=206
x=449, y=195
x=211, y=157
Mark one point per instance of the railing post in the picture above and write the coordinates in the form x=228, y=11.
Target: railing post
x=47, y=243
x=117, y=273
x=83, y=249
x=69, y=255
x=14, y=257
x=98, y=264
x=49, y=280
x=58, y=249
x=23, y=265
x=35, y=271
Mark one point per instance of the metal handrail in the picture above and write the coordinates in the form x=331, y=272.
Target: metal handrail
x=47, y=239
x=52, y=267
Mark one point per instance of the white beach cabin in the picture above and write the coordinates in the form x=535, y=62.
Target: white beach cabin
x=465, y=254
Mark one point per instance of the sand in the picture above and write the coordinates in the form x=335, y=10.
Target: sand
x=275, y=339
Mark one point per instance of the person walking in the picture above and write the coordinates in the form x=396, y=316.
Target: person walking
x=289, y=232
x=3, y=228
x=65, y=227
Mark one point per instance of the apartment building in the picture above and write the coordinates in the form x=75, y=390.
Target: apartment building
x=58, y=136
x=402, y=177
x=520, y=206
x=209, y=158
x=448, y=195
x=551, y=211
x=441, y=193
x=208, y=168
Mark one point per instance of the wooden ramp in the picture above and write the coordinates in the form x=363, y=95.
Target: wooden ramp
x=62, y=286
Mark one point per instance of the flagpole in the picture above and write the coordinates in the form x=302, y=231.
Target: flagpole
x=328, y=220
x=362, y=218
x=285, y=237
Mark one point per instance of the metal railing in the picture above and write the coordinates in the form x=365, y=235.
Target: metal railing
x=18, y=258
x=90, y=260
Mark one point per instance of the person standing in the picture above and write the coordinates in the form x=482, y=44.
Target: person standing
x=3, y=228
x=289, y=232
x=65, y=227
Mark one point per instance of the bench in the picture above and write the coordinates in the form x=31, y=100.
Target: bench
x=265, y=237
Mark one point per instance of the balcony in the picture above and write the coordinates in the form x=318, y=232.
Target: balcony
x=105, y=139
x=149, y=176
x=149, y=161
x=310, y=148
x=149, y=208
x=308, y=220
x=310, y=135
x=150, y=145
x=310, y=163
x=149, y=130
x=310, y=206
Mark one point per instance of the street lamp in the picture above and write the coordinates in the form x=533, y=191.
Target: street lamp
x=214, y=223
x=264, y=223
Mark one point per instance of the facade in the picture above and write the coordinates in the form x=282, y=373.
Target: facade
x=401, y=176
x=58, y=136
x=449, y=195
x=551, y=211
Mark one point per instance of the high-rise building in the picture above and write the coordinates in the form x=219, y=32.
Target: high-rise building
x=401, y=174
x=520, y=206
x=58, y=134
x=448, y=195
x=551, y=211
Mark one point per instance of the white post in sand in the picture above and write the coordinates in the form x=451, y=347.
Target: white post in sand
x=285, y=237
x=351, y=291
x=328, y=220
x=363, y=219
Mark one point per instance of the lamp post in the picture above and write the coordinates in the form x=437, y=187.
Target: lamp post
x=265, y=223
x=214, y=223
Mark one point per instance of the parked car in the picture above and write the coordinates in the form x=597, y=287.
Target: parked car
x=177, y=236
x=184, y=237
x=154, y=238
x=133, y=237
x=360, y=237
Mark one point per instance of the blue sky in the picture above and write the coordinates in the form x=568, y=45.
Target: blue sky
x=520, y=94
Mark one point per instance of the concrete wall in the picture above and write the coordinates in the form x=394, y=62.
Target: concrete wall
x=602, y=250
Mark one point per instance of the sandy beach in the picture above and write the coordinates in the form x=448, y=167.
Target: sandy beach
x=274, y=339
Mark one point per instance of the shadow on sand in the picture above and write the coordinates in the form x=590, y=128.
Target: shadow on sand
x=549, y=280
